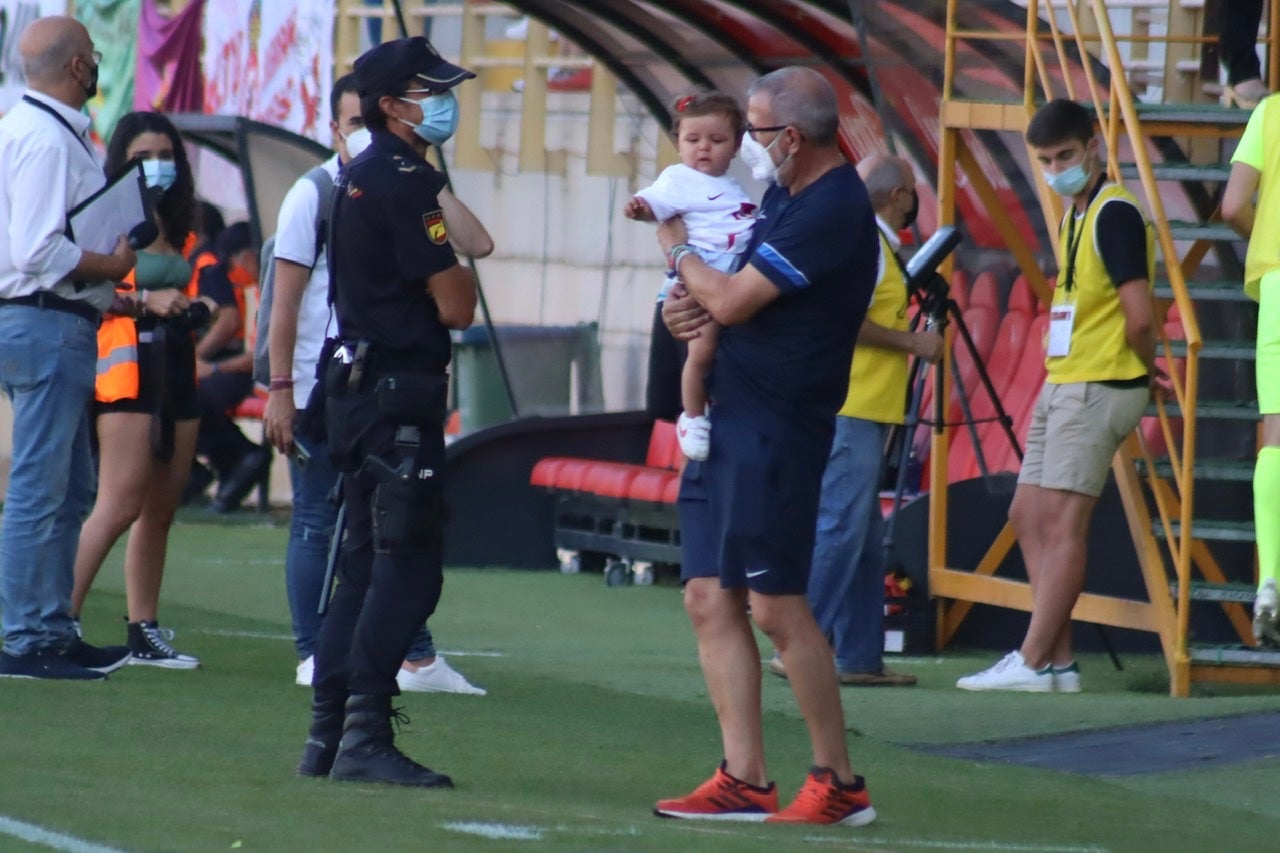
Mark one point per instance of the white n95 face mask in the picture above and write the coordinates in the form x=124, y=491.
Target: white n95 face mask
x=757, y=157
x=357, y=140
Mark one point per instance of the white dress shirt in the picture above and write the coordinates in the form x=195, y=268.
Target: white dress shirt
x=45, y=171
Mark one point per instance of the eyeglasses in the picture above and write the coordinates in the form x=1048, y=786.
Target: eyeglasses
x=425, y=93
x=97, y=57
x=752, y=131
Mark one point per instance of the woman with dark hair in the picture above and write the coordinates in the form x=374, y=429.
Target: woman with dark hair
x=146, y=413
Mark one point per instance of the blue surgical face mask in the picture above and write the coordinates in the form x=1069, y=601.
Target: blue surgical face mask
x=439, y=117
x=160, y=173
x=1069, y=181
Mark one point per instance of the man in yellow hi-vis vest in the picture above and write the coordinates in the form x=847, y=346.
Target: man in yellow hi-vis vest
x=1254, y=170
x=1100, y=361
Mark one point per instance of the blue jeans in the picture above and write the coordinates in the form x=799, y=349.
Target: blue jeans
x=310, y=531
x=846, y=584
x=47, y=364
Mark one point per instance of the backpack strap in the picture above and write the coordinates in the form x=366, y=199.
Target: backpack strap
x=323, y=181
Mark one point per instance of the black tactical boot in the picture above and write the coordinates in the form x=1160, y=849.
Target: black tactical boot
x=367, y=752
x=322, y=741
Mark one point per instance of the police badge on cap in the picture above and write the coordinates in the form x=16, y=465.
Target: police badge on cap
x=388, y=67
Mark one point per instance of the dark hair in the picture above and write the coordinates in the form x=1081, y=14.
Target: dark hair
x=176, y=208
x=344, y=84
x=374, y=117
x=1059, y=121
x=235, y=238
x=705, y=104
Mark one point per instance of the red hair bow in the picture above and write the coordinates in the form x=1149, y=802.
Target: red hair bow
x=683, y=103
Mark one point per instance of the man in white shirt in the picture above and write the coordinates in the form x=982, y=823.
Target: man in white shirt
x=299, y=324
x=52, y=294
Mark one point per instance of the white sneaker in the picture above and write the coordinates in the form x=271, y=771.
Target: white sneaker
x=694, y=435
x=439, y=677
x=1066, y=679
x=1266, y=615
x=1010, y=673
x=306, y=669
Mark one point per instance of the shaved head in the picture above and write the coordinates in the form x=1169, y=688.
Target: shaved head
x=48, y=45
x=883, y=173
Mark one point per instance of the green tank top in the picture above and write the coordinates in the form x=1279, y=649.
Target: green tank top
x=156, y=272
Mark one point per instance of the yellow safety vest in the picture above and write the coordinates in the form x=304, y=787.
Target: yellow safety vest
x=1099, y=350
x=878, y=376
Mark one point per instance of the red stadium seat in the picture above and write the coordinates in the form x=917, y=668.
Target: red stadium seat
x=986, y=291
x=1022, y=297
x=960, y=288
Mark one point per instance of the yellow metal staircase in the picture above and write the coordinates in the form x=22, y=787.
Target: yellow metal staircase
x=1073, y=50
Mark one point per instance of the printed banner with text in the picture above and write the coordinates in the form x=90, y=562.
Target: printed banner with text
x=271, y=62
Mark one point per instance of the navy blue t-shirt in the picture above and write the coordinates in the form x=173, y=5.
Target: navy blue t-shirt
x=389, y=237
x=789, y=364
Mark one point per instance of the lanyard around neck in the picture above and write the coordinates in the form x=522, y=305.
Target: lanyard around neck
x=41, y=105
x=1073, y=242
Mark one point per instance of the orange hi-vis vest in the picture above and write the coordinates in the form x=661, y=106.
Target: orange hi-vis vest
x=117, y=377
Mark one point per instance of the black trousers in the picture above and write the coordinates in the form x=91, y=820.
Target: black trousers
x=219, y=439
x=385, y=592
x=1238, y=39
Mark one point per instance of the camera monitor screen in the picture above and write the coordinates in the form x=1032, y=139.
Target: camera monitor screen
x=934, y=251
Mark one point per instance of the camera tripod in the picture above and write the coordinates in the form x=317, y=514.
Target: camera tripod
x=939, y=310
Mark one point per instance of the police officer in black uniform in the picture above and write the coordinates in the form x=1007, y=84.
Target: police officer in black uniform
x=398, y=289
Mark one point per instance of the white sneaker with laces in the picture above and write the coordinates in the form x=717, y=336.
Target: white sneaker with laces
x=439, y=677
x=306, y=669
x=1066, y=679
x=1010, y=673
x=1266, y=615
x=694, y=435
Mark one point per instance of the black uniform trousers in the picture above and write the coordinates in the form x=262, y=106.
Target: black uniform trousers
x=385, y=591
x=1238, y=39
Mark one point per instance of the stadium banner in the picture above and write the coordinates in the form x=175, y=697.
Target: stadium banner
x=14, y=17
x=168, y=73
x=270, y=61
x=113, y=25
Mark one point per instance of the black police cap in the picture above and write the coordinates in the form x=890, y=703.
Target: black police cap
x=384, y=69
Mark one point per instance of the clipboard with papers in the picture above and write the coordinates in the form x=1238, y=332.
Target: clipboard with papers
x=97, y=222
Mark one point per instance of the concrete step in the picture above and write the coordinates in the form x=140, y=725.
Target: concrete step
x=1234, y=656
x=1209, y=290
x=1217, y=231
x=1210, y=531
x=1218, y=469
x=1180, y=171
x=1241, y=593
x=1219, y=350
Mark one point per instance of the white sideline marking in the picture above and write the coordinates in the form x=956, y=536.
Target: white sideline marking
x=249, y=635
x=501, y=831
x=33, y=834
x=262, y=635
x=937, y=844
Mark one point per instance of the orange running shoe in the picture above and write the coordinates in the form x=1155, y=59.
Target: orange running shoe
x=823, y=799
x=722, y=797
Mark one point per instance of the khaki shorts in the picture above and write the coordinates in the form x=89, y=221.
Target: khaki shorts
x=1075, y=431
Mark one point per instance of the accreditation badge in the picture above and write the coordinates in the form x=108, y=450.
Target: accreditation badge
x=1062, y=318
x=436, y=230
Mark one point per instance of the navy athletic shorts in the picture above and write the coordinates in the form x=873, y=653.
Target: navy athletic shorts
x=749, y=513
